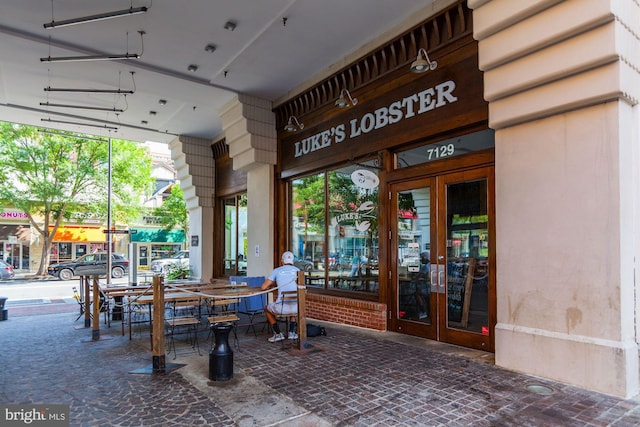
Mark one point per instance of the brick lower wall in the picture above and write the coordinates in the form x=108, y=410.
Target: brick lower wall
x=365, y=314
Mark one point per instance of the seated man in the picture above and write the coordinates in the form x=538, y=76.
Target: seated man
x=286, y=279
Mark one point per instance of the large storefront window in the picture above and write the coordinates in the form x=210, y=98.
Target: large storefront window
x=334, y=228
x=235, y=235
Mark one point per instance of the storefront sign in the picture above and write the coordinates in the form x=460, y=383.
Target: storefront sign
x=361, y=218
x=366, y=179
x=13, y=215
x=408, y=107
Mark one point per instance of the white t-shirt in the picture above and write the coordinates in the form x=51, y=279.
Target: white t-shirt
x=286, y=278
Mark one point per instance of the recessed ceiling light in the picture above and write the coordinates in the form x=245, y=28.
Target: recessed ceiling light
x=230, y=25
x=153, y=113
x=192, y=68
x=162, y=102
x=210, y=48
x=144, y=122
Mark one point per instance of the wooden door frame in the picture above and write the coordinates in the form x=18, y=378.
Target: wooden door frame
x=469, y=165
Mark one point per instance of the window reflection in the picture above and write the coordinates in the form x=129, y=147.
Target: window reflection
x=235, y=235
x=334, y=231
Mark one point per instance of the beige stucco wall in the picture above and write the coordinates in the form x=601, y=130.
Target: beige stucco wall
x=563, y=82
x=260, y=222
x=564, y=270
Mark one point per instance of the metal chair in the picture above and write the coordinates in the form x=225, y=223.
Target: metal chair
x=105, y=306
x=287, y=297
x=225, y=310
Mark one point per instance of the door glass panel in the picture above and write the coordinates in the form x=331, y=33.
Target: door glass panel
x=467, y=256
x=414, y=253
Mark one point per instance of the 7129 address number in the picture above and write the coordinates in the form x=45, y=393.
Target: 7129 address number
x=441, y=151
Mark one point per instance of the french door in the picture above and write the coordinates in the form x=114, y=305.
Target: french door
x=442, y=258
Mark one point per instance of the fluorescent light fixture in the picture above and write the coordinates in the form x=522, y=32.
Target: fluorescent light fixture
x=106, y=57
x=85, y=107
x=62, y=89
x=99, y=17
x=50, y=132
x=79, y=124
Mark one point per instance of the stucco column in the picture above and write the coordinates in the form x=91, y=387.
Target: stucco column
x=261, y=208
x=195, y=168
x=562, y=81
x=250, y=132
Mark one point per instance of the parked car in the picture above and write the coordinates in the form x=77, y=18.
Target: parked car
x=94, y=264
x=303, y=264
x=6, y=271
x=159, y=265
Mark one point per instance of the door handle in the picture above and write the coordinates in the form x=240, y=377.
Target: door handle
x=441, y=278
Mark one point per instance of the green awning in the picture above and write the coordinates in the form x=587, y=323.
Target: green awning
x=157, y=235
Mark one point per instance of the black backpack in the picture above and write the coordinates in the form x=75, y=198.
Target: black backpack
x=315, y=330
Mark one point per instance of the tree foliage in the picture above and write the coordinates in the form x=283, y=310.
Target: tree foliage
x=54, y=178
x=173, y=212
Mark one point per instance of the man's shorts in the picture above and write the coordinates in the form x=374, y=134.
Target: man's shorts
x=283, y=308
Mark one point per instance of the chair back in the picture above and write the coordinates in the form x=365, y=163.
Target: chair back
x=256, y=302
x=289, y=296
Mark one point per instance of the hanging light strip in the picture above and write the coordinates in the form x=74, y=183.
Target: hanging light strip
x=85, y=107
x=79, y=124
x=50, y=132
x=61, y=89
x=90, y=58
x=99, y=17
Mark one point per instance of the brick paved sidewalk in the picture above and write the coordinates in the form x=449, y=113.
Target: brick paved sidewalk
x=360, y=378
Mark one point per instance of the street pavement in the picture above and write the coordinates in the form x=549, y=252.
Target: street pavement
x=351, y=377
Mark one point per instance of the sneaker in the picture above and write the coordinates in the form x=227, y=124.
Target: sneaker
x=292, y=336
x=276, y=337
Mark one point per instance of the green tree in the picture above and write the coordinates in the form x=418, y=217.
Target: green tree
x=173, y=212
x=54, y=178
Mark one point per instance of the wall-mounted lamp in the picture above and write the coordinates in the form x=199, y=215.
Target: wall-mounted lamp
x=293, y=125
x=347, y=102
x=421, y=65
x=99, y=17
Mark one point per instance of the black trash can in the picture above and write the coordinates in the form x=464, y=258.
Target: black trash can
x=4, y=313
x=221, y=356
